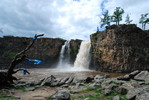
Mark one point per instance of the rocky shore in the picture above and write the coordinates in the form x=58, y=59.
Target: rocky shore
x=133, y=86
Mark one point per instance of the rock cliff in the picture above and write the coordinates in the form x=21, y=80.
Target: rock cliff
x=45, y=49
x=122, y=48
x=74, y=49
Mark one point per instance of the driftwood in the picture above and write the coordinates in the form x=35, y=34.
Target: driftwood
x=21, y=56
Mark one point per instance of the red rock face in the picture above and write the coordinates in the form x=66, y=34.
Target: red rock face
x=45, y=49
x=122, y=48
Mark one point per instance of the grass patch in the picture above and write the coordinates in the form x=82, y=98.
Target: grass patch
x=113, y=82
x=7, y=97
x=24, y=89
x=96, y=94
x=49, y=98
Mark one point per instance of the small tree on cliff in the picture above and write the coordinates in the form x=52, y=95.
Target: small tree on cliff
x=117, y=15
x=144, y=20
x=128, y=21
x=21, y=56
x=106, y=19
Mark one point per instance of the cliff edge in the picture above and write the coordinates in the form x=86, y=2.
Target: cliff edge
x=122, y=48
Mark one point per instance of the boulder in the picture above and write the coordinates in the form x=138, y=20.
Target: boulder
x=125, y=78
x=116, y=98
x=48, y=81
x=142, y=76
x=69, y=80
x=97, y=78
x=107, y=91
x=121, y=90
x=63, y=80
x=61, y=96
x=144, y=95
x=92, y=86
x=133, y=74
x=89, y=79
x=131, y=94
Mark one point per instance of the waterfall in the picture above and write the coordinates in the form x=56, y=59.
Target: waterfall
x=83, y=57
x=64, y=55
x=67, y=53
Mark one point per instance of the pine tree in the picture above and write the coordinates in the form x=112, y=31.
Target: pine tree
x=128, y=21
x=144, y=20
x=106, y=19
x=117, y=15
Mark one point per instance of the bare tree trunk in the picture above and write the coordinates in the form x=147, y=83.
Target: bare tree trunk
x=18, y=59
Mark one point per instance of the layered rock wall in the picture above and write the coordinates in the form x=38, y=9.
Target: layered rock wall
x=122, y=48
x=74, y=49
x=45, y=49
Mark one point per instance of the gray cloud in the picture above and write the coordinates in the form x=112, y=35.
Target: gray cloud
x=56, y=18
x=60, y=18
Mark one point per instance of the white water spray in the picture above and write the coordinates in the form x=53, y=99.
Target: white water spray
x=64, y=55
x=83, y=57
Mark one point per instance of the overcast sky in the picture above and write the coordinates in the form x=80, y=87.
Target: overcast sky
x=68, y=19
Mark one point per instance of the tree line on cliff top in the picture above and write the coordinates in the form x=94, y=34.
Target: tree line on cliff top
x=117, y=17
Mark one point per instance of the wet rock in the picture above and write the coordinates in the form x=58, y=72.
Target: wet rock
x=131, y=94
x=63, y=80
x=69, y=80
x=133, y=74
x=48, y=81
x=54, y=83
x=116, y=98
x=97, y=78
x=79, y=84
x=142, y=76
x=144, y=95
x=92, y=86
x=125, y=78
x=122, y=90
x=89, y=79
x=61, y=96
x=107, y=92
x=64, y=85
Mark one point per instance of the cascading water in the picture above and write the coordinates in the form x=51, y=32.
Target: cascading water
x=83, y=57
x=64, y=55
x=67, y=52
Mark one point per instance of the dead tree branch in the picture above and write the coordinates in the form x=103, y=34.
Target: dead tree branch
x=19, y=58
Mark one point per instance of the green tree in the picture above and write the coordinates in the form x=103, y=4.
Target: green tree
x=144, y=20
x=117, y=15
x=106, y=19
x=128, y=21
